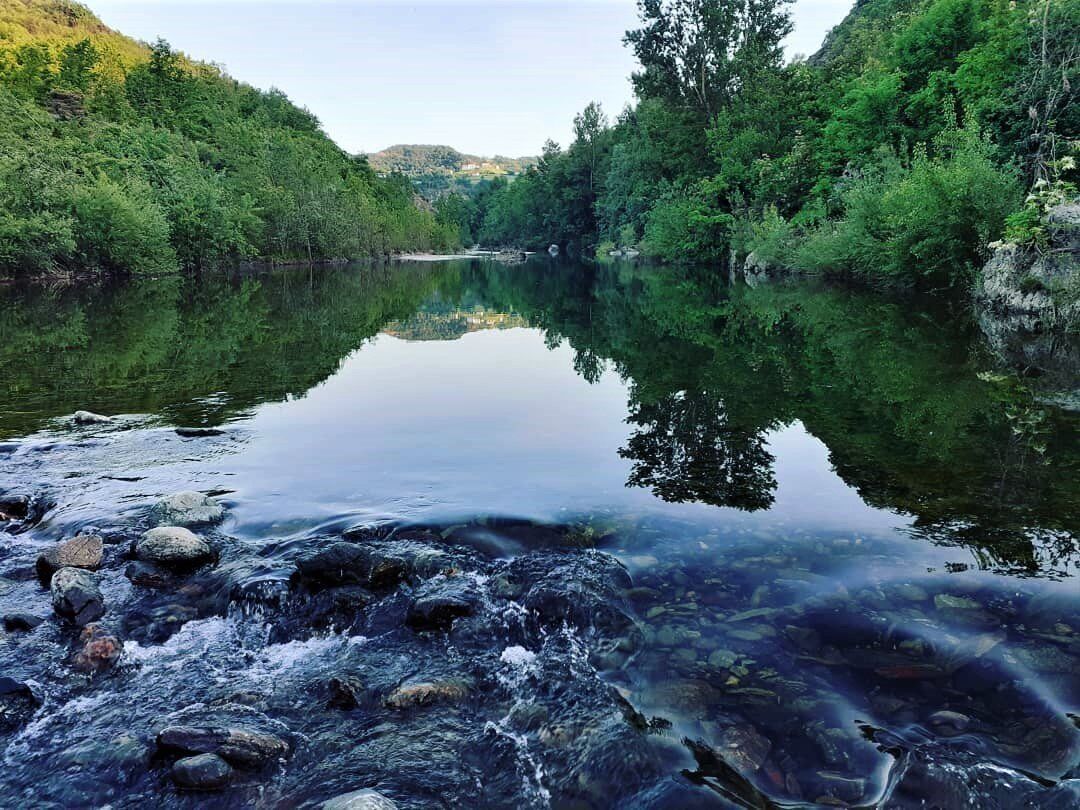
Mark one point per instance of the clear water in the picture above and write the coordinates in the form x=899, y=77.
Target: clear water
x=725, y=546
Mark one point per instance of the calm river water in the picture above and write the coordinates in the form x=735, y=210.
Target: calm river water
x=548, y=535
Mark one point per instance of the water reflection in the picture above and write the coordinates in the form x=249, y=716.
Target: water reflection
x=659, y=516
x=916, y=415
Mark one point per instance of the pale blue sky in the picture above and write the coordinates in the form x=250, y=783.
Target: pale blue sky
x=484, y=77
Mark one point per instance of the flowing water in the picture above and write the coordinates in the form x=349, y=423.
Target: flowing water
x=649, y=540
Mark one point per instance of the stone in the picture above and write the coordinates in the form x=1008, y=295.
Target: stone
x=944, y=601
x=437, y=612
x=17, y=704
x=14, y=507
x=237, y=746
x=83, y=551
x=147, y=576
x=351, y=564
x=195, y=432
x=172, y=546
x=948, y=724
x=100, y=650
x=366, y=799
x=846, y=789
x=744, y=748
x=188, y=509
x=21, y=622
x=346, y=692
x=201, y=772
x=75, y=596
x=426, y=693
x=89, y=418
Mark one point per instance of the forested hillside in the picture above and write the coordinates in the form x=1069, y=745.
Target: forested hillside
x=116, y=156
x=898, y=153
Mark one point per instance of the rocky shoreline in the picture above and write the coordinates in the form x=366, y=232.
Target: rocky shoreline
x=505, y=662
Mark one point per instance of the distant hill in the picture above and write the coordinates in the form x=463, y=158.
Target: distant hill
x=437, y=169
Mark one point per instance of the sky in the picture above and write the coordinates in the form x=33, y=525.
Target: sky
x=484, y=77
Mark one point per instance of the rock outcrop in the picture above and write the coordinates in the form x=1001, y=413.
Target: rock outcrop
x=1029, y=308
x=1035, y=289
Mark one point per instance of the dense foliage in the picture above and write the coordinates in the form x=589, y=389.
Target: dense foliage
x=896, y=153
x=120, y=157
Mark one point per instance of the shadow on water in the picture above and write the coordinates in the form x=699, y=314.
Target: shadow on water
x=613, y=657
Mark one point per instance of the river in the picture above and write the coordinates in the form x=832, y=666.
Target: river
x=621, y=535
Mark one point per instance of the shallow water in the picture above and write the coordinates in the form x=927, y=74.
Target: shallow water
x=713, y=546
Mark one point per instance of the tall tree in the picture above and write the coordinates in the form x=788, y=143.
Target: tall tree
x=701, y=52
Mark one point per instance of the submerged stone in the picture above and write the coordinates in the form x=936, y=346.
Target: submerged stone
x=366, y=799
x=17, y=704
x=100, y=650
x=238, y=746
x=21, y=622
x=424, y=694
x=201, y=772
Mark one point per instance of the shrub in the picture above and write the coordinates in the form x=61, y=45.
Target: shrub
x=120, y=229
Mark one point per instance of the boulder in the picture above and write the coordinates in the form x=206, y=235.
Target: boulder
x=351, y=564
x=188, y=509
x=17, y=704
x=89, y=418
x=172, y=546
x=83, y=551
x=237, y=746
x=201, y=772
x=75, y=596
x=99, y=650
x=366, y=799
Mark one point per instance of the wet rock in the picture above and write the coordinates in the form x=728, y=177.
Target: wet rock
x=238, y=746
x=366, y=799
x=188, y=509
x=424, y=694
x=438, y=611
x=201, y=772
x=76, y=597
x=17, y=704
x=351, y=564
x=14, y=507
x=838, y=786
x=89, y=418
x=744, y=748
x=21, y=622
x=84, y=551
x=147, y=576
x=946, y=602
x=346, y=692
x=172, y=546
x=99, y=650
x=948, y=724
x=195, y=432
